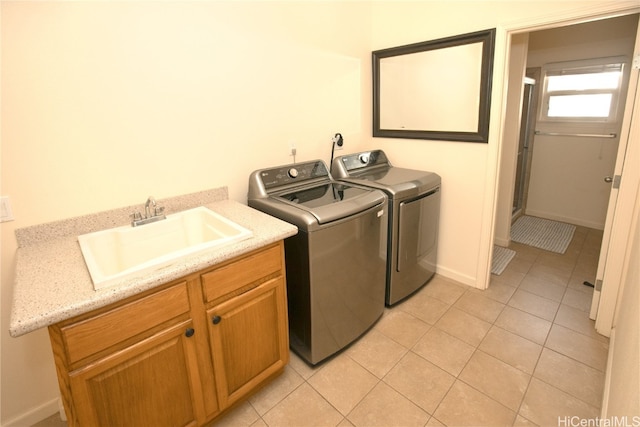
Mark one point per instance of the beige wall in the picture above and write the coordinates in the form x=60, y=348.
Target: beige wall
x=105, y=103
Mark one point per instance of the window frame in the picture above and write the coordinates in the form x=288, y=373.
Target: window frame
x=598, y=65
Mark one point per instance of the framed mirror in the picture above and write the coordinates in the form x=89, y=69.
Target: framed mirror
x=439, y=89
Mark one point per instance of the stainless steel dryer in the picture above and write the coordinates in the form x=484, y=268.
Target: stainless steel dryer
x=336, y=264
x=414, y=212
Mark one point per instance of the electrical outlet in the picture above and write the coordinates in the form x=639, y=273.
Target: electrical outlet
x=5, y=209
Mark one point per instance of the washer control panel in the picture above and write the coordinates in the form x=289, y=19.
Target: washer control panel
x=283, y=175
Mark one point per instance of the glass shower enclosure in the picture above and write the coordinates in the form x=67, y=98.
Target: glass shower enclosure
x=527, y=130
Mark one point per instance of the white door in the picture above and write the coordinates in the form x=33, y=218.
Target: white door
x=618, y=218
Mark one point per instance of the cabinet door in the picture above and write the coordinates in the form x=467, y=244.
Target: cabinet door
x=249, y=339
x=153, y=383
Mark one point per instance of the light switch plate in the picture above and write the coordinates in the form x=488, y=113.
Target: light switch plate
x=5, y=209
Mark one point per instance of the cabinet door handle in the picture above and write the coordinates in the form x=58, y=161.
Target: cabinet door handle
x=189, y=332
x=216, y=320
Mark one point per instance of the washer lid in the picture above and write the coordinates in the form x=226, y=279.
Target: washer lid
x=332, y=201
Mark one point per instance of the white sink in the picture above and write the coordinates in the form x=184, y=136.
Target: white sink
x=122, y=252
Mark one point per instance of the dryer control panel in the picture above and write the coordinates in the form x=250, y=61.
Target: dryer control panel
x=365, y=159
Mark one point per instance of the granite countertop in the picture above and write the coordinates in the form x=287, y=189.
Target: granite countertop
x=52, y=282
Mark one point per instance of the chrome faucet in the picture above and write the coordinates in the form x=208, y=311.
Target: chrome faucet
x=147, y=210
x=157, y=215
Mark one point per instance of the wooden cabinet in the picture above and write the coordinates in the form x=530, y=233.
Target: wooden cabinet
x=242, y=313
x=149, y=383
x=246, y=347
x=178, y=355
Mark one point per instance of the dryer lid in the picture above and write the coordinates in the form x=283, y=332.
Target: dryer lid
x=373, y=169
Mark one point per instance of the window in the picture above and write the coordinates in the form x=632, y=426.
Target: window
x=582, y=91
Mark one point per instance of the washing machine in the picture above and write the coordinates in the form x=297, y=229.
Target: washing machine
x=336, y=264
x=414, y=212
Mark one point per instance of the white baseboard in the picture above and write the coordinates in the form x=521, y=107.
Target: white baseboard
x=501, y=242
x=569, y=220
x=457, y=276
x=34, y=415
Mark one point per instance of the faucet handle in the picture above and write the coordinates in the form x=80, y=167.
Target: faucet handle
x=158, y=210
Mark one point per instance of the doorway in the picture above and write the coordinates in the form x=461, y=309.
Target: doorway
x=560, y=178
x=571, y=157
x=506, y=188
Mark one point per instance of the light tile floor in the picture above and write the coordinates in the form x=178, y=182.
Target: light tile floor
x=523, y=352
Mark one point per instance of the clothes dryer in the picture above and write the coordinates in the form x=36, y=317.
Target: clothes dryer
x=413, y=220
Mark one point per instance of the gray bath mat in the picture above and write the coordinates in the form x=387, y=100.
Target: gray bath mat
x=501, y=258
x=542, y=233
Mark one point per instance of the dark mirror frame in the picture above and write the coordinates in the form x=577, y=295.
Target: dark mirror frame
x=487, y=38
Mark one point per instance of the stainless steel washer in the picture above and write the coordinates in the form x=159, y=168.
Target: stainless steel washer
x=336, y=264
x=414, y=212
